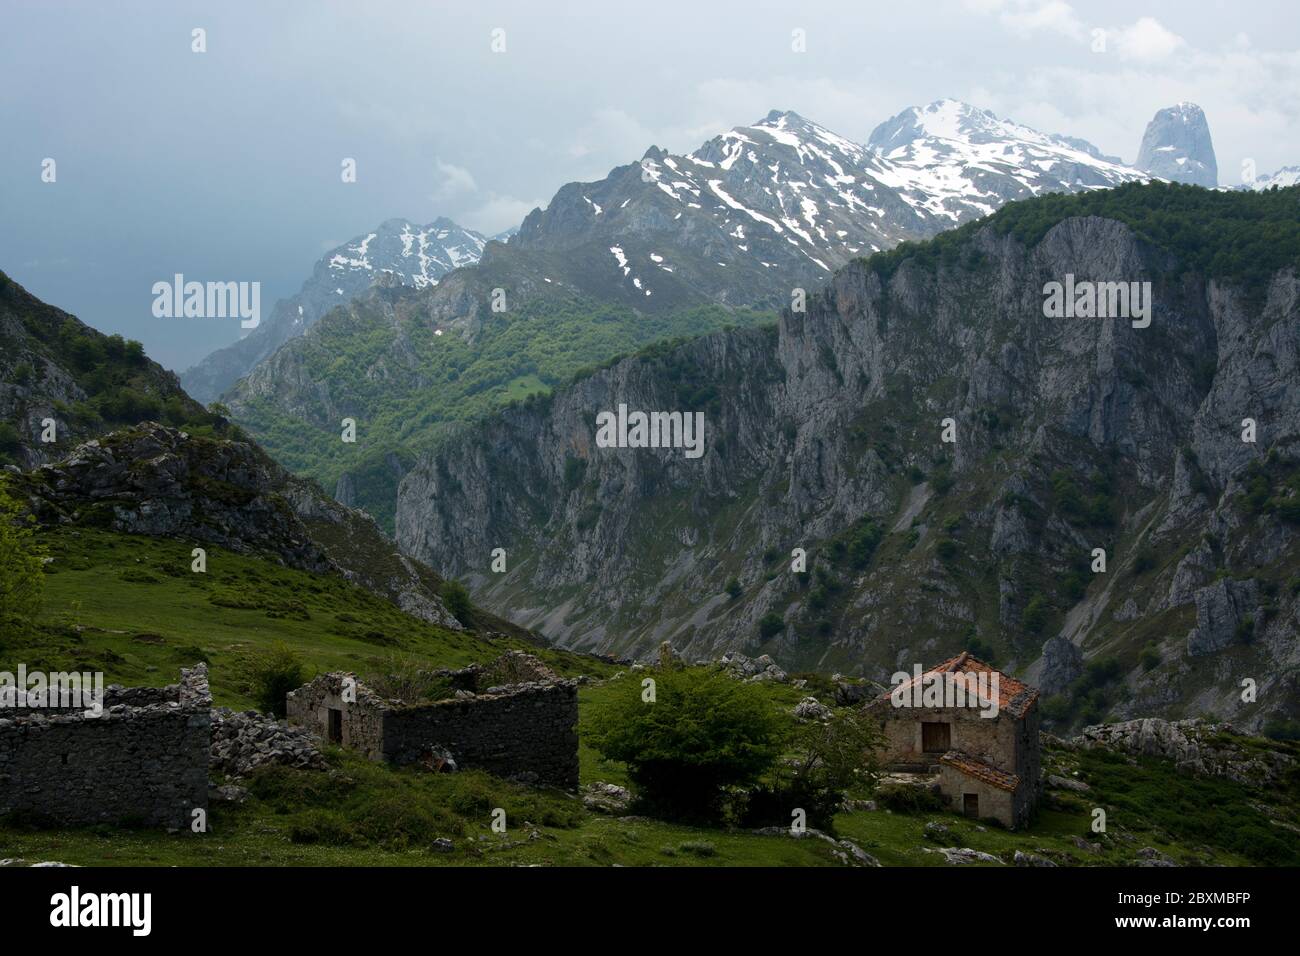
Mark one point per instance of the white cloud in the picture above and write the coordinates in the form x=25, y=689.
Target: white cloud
x=1024, y=18
x=1146, y=40
x=498, y=213
x=456, y=181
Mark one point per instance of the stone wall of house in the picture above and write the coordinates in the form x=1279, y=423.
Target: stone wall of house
x=529, y=732
x=995, y=803
x=143, y=760
x=995, y=740
x=1029, y=748
x=525, y=731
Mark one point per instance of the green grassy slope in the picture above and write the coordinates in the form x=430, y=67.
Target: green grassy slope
x=131, y=607
x=406, y=385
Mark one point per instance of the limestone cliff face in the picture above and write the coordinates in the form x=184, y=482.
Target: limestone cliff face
x=825, y=433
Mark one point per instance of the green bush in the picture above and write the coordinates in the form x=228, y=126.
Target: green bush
x=904, y=798
x=10, y=440
x=697, y=848
x=321, y=826
x=858, y=543
x=704, y=731
x=21, y=563
x=457, y=601
x=1278, y=728
x=277, y=673
x=1034, y=616
x=827, y=762
x=770, y=625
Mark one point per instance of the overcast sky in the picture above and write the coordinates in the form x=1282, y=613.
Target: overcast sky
x=225, y=165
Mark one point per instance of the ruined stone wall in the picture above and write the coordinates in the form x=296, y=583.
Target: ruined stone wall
x=528, y=733
x=523, y=731
x=362, y=718
x=144, y=762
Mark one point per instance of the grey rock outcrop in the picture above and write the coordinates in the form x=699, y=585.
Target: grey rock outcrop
x=797, y=453
x=810, y=708
x=1062, y=662
x=1177, y=146
x=1194, y=745
x=1223, y=611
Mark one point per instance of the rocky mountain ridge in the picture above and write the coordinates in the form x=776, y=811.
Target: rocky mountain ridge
x=746, y=220
x=62, y=382
x=825, y=434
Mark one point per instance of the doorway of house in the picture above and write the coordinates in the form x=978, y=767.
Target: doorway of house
x=335, y=735
x=970, y=805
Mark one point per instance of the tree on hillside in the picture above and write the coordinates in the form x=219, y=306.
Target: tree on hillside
x=828, y=761
x=698, y=733
x=21, y=576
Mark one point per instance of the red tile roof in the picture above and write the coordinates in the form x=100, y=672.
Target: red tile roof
x=1013, y=696
x=980, y=770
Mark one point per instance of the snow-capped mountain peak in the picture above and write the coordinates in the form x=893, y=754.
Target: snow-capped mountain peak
x=412, y=254
x=1284, y=177
x=964, y=159
x=397, y=251
x=785, y=200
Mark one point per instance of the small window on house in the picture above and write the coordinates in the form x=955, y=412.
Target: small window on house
x=336, y=726
x=936, y=738
x=970, y=805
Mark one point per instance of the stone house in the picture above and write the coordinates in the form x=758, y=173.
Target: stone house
x=143, y=760
x=514, y=718
x=972, y=727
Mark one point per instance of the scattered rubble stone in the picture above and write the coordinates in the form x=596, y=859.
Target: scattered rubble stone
x=752, y=669
x=1031, y=859
x=810, y=708
x=242, y=741
x=938, y=832
x=960, y=855
x=1065, y=783
x=606, y=797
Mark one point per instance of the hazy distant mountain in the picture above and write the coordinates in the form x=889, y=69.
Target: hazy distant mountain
x=1286, y=176
x=407, y=253
x=1177, y=147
